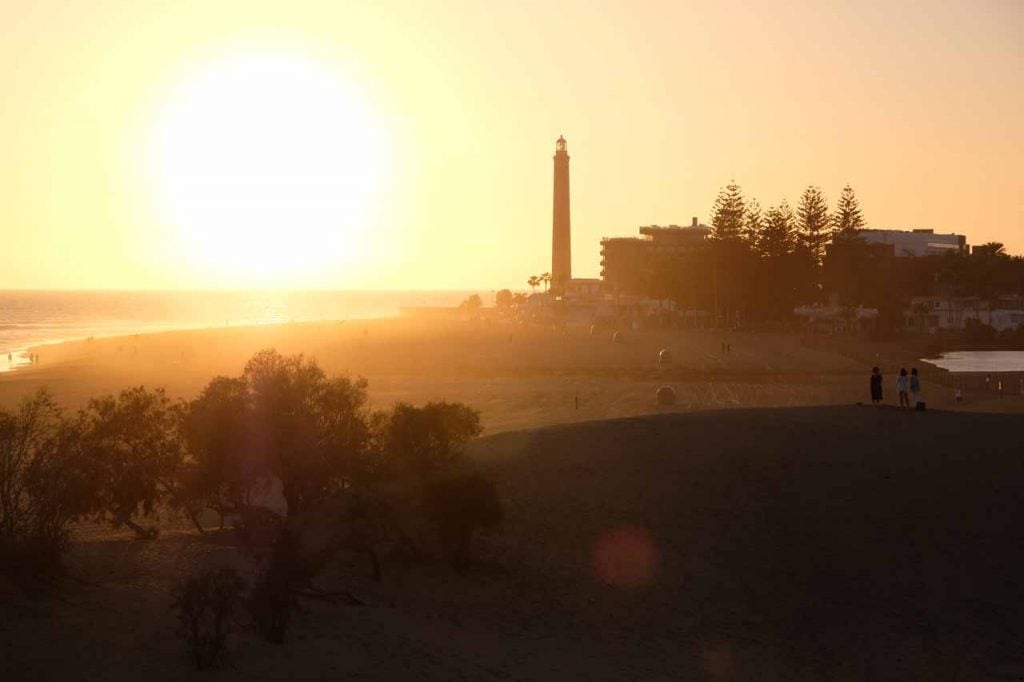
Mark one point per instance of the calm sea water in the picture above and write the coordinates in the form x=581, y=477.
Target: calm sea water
x=981, y=361
x=30, y=318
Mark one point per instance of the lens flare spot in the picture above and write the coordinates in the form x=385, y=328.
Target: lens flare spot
x=625, y=557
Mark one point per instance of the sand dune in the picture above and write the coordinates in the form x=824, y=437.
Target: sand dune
x=780, y=544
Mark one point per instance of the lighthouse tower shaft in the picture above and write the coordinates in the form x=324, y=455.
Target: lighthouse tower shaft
x=561, y=247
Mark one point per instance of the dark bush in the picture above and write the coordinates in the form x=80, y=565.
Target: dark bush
x=457, y=505
x=419, y=441
x=206, y=604
x=274, y=596
x=976, y=331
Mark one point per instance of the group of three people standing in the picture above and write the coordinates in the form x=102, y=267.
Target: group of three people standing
x=903, y=383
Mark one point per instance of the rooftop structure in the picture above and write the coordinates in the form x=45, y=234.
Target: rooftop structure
x=913, y=243
x=627, y=262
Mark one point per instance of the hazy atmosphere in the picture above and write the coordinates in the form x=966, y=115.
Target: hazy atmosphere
x=504, y=341
x=145, y=144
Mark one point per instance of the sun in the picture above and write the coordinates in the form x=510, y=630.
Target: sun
x=268, y=166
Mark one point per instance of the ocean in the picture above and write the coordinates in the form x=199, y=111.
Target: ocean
x=32, y=318
x=981, y=361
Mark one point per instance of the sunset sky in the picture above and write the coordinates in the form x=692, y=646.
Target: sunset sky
x=407, y=145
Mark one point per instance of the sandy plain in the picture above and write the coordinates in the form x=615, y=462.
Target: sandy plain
x=794, y=536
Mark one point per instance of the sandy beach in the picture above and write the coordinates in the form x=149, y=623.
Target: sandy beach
x=517, y=376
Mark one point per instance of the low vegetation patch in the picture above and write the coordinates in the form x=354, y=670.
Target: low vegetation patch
x=207, y=604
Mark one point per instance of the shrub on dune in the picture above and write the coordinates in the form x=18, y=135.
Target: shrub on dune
x=47, y=482
x=457, y=506
x=206, y=604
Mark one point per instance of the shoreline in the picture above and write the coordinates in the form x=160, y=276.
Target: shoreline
x=25, y=351
x=31, y=320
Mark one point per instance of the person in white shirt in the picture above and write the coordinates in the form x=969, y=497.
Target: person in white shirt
x=901, y=388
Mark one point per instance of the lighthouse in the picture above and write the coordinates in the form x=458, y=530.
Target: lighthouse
x=561, y=251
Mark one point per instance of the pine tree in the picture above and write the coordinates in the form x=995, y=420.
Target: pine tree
x=776, y=238
x=814, y=222
x=847, y=220
x=727, y=220
x=753, y=223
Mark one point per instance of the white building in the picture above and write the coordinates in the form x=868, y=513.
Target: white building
x=942, y=313
x=916, y=242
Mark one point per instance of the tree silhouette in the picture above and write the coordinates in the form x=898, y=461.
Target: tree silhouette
x=814, y=222
x=728, y=213
x=847, y=220
x=311, y=430
x=777, y=236
x=990, y=249
x=533, y=282
x=422, y=440
x=545, y=279
x=222, y=471
x=47, y=482
x=472, y=304
x=753, y=223
x=135, y=439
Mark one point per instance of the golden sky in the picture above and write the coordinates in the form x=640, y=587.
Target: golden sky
x=377, y=144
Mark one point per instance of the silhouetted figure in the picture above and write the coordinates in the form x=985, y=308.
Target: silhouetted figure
x=876, y=386
x=958, y=394
x=901, y=388
x=915, y=386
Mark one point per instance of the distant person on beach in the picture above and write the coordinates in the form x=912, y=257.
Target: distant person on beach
x=901, y=388
x=958, y=394
x=876, y=386
x=915, y=386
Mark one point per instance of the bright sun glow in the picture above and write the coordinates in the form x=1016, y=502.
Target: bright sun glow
x=268, y=165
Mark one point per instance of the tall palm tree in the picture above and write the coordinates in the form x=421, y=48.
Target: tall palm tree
x=545, y=279
x=533, y=282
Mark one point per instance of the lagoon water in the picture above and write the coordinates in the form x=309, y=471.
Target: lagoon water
x=981, y=361
x=31, y=318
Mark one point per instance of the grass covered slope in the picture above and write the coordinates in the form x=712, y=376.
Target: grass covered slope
x=838, y=542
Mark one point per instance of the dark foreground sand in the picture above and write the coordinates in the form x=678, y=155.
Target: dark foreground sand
x=846, y=543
